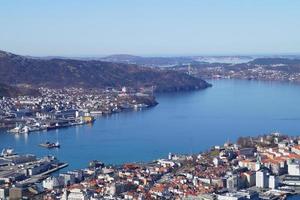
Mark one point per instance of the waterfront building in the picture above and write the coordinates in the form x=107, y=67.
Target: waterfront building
x=39, y=168
x=19, y=159
x=239, y=195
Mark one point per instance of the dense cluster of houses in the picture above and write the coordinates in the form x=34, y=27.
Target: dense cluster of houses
x=56, y=108
x=264, y=167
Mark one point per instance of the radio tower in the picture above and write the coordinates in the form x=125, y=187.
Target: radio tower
x=189, y=69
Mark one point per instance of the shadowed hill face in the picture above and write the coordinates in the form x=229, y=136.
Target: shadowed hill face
x=5, y=90
x=12, y=91
x=16, y=69
x=5, y=55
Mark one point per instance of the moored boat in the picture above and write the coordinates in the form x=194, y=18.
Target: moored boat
x=50, y=145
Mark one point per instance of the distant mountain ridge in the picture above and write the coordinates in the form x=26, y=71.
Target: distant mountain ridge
x=171, y=61
x=274, y=61
x=147, y=61
x=15, y=69
x=182, y=60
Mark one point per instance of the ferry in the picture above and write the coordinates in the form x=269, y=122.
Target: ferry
x=19, y=129
x=50, y=145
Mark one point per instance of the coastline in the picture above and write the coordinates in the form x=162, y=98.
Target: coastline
x=176, y=164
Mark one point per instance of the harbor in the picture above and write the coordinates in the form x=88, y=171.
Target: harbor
x=19, y=172
x=199, y=120
x=61, y=108
x=129, y=137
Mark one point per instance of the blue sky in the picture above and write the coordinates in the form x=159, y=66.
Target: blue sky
x=152, y=27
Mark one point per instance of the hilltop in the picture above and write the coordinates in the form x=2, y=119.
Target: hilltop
x=56, y=73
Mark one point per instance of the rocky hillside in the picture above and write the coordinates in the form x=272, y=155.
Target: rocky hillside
x=13, y=91
x=15, y=69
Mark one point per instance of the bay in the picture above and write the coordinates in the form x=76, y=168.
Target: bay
x=183, y=122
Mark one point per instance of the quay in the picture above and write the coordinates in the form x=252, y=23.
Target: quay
x=60, y=108
x=26, y=169
x=41, y=176
x=61, y=166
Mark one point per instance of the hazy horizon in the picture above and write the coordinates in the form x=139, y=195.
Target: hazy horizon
x=161, y=55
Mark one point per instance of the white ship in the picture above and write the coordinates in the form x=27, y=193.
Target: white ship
x=7, y=152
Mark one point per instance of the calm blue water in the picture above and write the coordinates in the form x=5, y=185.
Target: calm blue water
x=182, y=123
x=295, y=197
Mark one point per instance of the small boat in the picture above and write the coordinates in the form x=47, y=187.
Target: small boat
x=50, y=145
x=8, y=152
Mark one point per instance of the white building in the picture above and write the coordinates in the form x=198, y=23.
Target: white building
x=78, y=194
x=239, y=195
x=262, y=179
x=273, y=182
x=232, y=182
x=52, y=182
x=3, y=193
x=294, y=168
x=68, y=178
x=216, y=161
x=283, y=144
x=165, y=162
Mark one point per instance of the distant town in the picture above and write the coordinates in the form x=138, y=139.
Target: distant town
x=261, y=167
x=266, y=69
x=58, y=108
